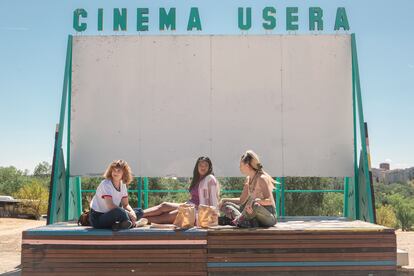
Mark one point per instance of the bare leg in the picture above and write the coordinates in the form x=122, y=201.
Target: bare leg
x=166, y=218
x=163, y=208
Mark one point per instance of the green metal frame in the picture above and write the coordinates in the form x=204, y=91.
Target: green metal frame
x=58, y=144
x=364, y=157
x=351, y=190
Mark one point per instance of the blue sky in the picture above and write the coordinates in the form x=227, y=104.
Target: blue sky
x=33, y=36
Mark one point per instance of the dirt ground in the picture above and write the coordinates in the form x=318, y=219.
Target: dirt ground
x=405, y=241
x=11, y=240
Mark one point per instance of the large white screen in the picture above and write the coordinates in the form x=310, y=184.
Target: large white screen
x=159, y=102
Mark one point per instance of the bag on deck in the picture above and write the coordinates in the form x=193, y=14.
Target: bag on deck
x=207, y=216
x=185, y=217
x=84, y=218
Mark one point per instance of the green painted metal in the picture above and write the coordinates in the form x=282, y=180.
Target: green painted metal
x=100, y=19
x=68, y=183
x=282, y=197
x=315, y=17
x=242, y=25
x=145, y=192
x=345, y=210
x=341, y=20
x=57, y=212
x=314, y=191
x=120, y=19
x=292, y=17
x=277, y=197
x=167, y=19
x=269, y=18
x=194, y=21
x=139, y=191
x=79, y=194
x=142, y=19
x=364, y=159
x=355, y=202
x=58, y=146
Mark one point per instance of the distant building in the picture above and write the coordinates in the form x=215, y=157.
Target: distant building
x=8, y=206
x=385, y=166
x=393, y=176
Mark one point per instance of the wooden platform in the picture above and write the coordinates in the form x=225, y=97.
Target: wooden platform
x=295, y=246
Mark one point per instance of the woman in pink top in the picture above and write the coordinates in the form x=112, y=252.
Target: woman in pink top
x=204, y=189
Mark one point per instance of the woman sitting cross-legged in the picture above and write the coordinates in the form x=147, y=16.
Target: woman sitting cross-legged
x=111, y=192
x=204, y=189
x=256, y=205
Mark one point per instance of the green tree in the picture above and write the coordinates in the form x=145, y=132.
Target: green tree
x=304, y=204
x=35, y=198
x=11, y=180
x=43, y=169
x=386, y=216
x=404, y=211
x=332, y=204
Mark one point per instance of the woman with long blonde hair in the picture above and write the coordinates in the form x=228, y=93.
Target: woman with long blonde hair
x=256, y=205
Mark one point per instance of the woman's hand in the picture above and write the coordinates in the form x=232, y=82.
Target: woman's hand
x=221, y=203
x=132, y=217
x=249, y=209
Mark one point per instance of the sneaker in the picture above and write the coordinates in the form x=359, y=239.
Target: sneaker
x=141, y=222
x=126, y=224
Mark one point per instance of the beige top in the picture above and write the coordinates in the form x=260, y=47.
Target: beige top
x=256, y=188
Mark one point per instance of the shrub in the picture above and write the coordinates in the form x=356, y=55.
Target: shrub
x=34, y=197
x=386, y=216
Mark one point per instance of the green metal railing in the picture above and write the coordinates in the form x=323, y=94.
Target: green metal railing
x=279, y=192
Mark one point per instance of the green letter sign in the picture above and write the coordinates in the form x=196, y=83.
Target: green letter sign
x=194, y=20
x=79, y=27
x=315, y=16
x=245, y=26
x=142, y=19
x=341, y=20
x=269, y=18
x=167, y=20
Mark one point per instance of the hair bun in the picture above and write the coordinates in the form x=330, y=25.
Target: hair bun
x=259, y=166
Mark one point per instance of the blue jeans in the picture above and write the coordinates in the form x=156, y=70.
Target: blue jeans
x=106, y=220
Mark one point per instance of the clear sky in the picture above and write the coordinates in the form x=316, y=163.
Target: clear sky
x=33, y=36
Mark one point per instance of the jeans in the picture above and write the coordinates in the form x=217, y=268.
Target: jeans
x=106, y=220
x=264, y=215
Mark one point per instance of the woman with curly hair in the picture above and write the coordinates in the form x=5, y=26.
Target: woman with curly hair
x=110, y=194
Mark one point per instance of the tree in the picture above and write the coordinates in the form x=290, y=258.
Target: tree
x=404, y=211
x=386, y=216
x=11, y=180
x=43, y=169
x=35, y=198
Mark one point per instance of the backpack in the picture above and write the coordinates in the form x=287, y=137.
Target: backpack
x=84, y=218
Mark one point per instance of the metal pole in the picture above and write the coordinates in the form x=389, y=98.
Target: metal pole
x=345, y=211
x=145, y=192
x=282, y=199
x=139, y=193
x=79, y=193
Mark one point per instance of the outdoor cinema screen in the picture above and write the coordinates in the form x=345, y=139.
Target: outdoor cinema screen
x=160, y=102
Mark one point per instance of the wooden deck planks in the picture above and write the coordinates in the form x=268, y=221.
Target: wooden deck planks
x=303, y=245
